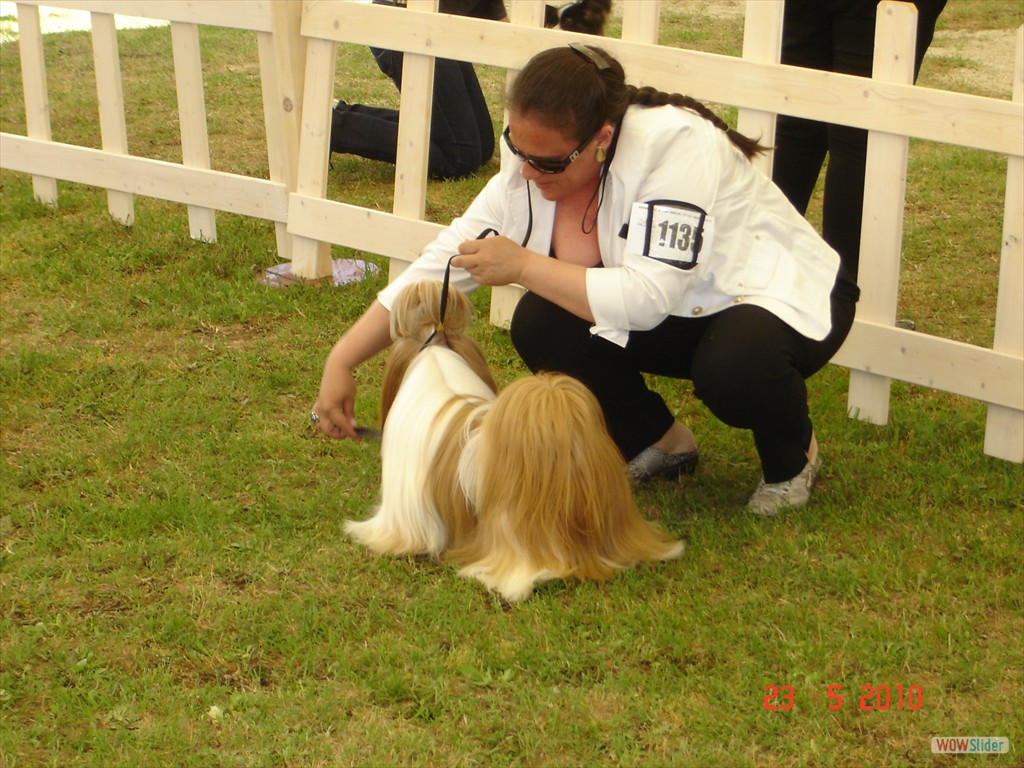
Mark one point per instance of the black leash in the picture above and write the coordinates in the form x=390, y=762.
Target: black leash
x=445, y=283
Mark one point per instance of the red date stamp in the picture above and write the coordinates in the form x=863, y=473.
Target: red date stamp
x=877, y=698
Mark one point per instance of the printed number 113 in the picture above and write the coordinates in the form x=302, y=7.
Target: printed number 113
x=680, y=235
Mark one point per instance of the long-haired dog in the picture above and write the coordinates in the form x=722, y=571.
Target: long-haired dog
x=515, y=488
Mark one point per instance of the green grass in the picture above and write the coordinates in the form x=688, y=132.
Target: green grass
x=171, y=526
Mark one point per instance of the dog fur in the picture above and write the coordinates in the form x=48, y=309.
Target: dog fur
x=516, y=488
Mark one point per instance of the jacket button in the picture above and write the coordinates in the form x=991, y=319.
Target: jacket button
x=698, y=310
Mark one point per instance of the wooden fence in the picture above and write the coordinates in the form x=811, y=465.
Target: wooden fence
x=297, y=50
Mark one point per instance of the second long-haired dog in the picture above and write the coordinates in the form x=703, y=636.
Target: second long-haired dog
x=514, y=489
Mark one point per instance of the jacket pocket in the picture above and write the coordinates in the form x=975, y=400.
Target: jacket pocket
x=756, y=271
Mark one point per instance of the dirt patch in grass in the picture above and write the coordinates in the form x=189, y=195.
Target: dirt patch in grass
x=979, y=62
x=983, y=61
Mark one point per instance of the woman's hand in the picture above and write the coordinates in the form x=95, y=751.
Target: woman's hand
x=336, y=403
x=492, y=261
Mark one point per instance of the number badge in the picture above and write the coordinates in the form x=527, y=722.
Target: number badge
x=669, y=231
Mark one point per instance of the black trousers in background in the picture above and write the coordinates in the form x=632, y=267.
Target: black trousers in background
x=746, y=365
x=835, y=36
x=461, y=131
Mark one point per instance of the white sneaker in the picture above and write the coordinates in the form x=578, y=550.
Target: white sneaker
x=770, y=498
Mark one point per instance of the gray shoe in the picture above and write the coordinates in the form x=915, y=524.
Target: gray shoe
x=654, y=462
x=771, y=498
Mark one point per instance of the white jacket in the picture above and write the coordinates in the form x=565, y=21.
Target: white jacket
x=762, y=251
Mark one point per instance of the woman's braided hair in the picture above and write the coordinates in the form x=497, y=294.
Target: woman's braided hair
x=651, y=97
x=578, y=90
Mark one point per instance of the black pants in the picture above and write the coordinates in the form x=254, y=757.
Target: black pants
x=746, y=365
x=461, y=131
x=835, y=36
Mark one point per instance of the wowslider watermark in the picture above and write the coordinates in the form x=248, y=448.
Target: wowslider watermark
x=970, y=745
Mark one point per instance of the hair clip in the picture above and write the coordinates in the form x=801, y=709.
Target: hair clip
x=590, y=55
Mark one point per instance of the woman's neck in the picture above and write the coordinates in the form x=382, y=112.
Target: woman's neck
x=582, y=202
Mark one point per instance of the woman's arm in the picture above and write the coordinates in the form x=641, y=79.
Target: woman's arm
x=371, y=333
x=335, y=404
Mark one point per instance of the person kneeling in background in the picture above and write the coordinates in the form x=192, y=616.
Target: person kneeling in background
x=461, y=131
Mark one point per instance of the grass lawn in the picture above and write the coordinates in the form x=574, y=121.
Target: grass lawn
x=177, y=589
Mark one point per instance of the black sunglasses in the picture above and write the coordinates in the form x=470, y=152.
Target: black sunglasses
x=546, y=165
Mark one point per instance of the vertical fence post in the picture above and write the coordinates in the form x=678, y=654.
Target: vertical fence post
x=885, y=186
x=282, y=55
x=113, y=130
x=195, y=140
x=1004, y=427
x=37, y=99
x=640, y=21
x=527, y=13
x=762, y=42
x=413, y=149
x=310, y=259
x=279, y=148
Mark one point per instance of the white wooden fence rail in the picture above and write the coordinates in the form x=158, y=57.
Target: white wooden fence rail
x=297, y=49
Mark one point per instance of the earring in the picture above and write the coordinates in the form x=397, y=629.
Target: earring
x=600, y=154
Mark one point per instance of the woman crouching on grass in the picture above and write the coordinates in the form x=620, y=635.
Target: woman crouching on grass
x=647, y=243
